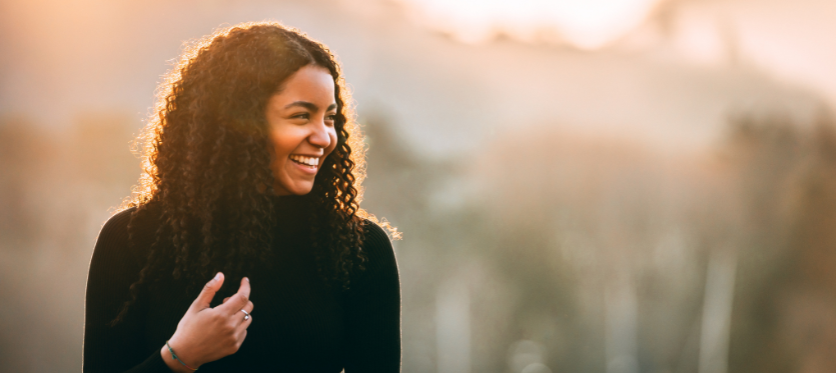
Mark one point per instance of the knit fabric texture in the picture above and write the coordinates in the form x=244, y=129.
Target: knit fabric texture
x=299, y=323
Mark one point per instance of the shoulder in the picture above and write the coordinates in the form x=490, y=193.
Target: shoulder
x=376, y=241
x=380, y=255
x=126, y=235
x=115, y=229
x=111, y=256
x=375, y=235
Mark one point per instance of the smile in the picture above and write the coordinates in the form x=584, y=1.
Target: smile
x=312, y=162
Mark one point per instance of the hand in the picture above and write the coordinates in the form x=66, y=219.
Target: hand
x=206, y=334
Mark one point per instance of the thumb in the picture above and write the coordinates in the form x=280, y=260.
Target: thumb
x=205, y=297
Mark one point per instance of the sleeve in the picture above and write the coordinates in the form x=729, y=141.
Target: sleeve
x=119, y=348
x=373, y=309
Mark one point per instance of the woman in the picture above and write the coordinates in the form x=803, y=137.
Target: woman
x=251, y=182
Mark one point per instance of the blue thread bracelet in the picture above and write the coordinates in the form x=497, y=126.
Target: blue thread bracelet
x=174, y=356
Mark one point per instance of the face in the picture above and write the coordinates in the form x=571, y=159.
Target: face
x=301, y=124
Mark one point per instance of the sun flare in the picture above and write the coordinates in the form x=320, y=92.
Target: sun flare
x=587, y=24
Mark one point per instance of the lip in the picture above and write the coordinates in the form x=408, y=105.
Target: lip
x=307, y=155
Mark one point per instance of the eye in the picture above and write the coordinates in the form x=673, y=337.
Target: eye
x=331, y=118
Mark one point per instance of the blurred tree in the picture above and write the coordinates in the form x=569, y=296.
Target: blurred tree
x=100, y=149
x=25, y=151
x=55, y=191
x=785, y=313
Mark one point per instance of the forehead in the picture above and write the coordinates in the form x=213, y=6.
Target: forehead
x=310, y=83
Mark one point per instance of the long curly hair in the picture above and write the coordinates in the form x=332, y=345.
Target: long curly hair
x=207, y=155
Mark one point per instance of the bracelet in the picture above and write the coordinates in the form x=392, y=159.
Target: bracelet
x=174, y=356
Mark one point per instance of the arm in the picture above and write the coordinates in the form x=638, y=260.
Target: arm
x=112, y=270
x=373, y=310
x=203, y=335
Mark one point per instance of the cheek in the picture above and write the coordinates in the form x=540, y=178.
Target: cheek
x=333, y=135
x=283, y=143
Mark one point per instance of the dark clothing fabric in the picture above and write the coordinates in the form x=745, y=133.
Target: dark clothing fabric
x=299, y=323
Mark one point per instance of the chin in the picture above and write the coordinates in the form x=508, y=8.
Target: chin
x=302, y=192
x=296, y=190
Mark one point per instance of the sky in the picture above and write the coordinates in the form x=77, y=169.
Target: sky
x=586, y=24
x=791, y=40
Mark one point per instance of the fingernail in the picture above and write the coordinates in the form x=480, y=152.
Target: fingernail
x=247, y=278
x=217, y=276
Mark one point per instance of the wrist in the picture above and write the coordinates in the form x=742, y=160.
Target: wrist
x=177, y=359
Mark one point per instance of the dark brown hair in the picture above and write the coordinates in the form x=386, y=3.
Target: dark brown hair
x=206, y=162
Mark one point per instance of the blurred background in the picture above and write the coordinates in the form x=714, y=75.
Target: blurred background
x=615, y=186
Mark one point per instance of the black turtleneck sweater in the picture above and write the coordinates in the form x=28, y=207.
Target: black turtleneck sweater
x=299, y=323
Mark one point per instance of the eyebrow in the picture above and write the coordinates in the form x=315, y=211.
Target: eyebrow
x=309, y=105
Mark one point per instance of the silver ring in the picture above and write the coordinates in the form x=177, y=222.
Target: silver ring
x=246, y=315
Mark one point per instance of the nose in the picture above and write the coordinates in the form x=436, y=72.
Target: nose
x=321, y=135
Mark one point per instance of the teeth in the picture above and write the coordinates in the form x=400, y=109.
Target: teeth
x=308, y=161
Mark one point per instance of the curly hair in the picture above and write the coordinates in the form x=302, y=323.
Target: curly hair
x=207, y=155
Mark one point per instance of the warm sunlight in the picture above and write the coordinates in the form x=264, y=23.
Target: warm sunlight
x=603, y=186
x=587, y=24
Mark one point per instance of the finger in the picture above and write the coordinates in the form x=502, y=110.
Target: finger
x=238, y=300
x=225, y=299
x=205, y=297
x=243, y=317
x=244, y=323
x=245, y=288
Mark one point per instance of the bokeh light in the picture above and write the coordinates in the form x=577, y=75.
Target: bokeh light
x=587, y=24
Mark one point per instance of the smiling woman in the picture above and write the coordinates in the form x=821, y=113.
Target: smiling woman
x=250, y=182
